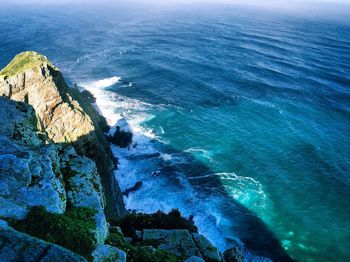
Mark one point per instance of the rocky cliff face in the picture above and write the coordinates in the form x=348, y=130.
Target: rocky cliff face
x=56, y=179
x=63, y=115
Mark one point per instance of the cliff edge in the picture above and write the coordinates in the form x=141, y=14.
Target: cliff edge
x=64, y=116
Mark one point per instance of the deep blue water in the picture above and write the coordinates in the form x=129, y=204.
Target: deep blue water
x=249, y=109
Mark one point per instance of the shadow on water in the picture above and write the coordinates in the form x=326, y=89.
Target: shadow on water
x=250, y=229
x=247, y=226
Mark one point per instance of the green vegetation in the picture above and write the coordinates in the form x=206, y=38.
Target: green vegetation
x=135, y=252
x=159, y=220
x=72, y=230
x=22, y=62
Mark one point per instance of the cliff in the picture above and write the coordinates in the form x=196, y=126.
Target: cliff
x=57, y=188
x=64, y=115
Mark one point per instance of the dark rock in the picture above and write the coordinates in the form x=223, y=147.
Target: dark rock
x=90, y=97
x=233, y=254
x=121, y=138
x=136, y=187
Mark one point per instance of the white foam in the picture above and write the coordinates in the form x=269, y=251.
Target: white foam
x=103, y=83
x=199, y=153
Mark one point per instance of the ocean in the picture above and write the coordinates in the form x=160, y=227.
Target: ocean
x=243, y=114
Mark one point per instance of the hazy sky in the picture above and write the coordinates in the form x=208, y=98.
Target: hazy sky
x=290, y=5
x=162, y=2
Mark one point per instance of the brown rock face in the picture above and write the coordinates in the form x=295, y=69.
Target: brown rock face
x=43, y=88
x=64, y=114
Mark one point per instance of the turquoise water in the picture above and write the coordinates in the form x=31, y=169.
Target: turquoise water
x=244, y=114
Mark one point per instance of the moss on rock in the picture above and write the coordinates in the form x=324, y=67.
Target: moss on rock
x=72, y=230
x=23, y=62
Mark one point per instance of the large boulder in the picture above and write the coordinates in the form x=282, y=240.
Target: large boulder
x=16, y=246
x=208, y=250
x=177, y=241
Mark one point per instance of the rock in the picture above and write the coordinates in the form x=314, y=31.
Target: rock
x=107, y=253
x=194, y=259
x=177, y=241
x=90, y=97
x=9, y=208
x=16, y=246
x=84, y=189
x=208, y=250
x=29, y=169
x=121, y=138
x=233, y=254
x=27, y=178
x=3, y=224
x=63, y=115
x=18, y=122
x=138, y=234
x=118, y=229
x=37, y=82
x=149, y=249
x=136, y=187
x=128, y=239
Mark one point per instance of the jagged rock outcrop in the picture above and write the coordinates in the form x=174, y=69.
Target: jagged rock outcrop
x=63, y=114
x=16, y=246
x=41, y=85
